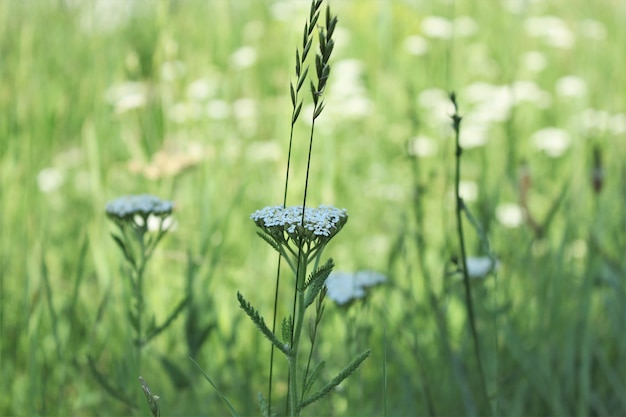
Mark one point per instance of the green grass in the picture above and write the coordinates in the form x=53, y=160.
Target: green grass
x=550, y=325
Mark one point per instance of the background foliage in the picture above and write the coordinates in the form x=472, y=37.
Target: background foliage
x=189, y=100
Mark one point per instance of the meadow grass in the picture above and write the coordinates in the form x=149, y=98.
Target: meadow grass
x=190, y=101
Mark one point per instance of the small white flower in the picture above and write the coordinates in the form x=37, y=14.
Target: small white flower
x=50, y=179
x=510, y=215
x=201, y=89
x=617, y=124
x=534, y=61
x=468, y=190
x=127, y=96
x=529, y=91
x=217, y=109
x=571, y=86
x=552, y=30
x=437, y=27
x=344, y=287
x=554, y=142
x=157, y=223
x=422, y=146
x=479, y=267
x=416, y=45
x=244, y=57
x=592, y=29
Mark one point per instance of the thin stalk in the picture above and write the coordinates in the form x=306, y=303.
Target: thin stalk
x=297, y=331
x=456, y=123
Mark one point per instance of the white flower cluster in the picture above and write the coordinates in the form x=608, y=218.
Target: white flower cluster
x=321, y=221
x=344, y=287
x=143, y=205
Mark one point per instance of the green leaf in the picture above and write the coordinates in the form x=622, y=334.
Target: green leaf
x=293, y=94
x=345, y=372
x=296, y=113
x=310, y=380
x=316, y=281
x=302, y=78
x=318, y=110
x=126, y=252
x=156, y=331
x=178, y=378
x=269, y=240
x=260, y=323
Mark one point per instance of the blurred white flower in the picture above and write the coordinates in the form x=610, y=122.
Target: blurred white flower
x=437, y=27
x=289, y=10
x=480, y=266
x=552, y=30
x=104, y=16
x=347, y=95
x=492, y=103
x=50, y=179
x=245, y=108
x=593, y=29
x=438, y=105
x=468, y=190
x=422, y=146
x=183, y=112
x=126, y=96
x=217, y=109
x=594, y=121
x=344, y=287
x=246, y=111
x=553, y=141
x=201, y=89
x=571, y=86
x=415, y=45
x=534, y=61
x=243, y=57
x=157, y=224
x=473, y=135
x=510, y=215
x=529, y=91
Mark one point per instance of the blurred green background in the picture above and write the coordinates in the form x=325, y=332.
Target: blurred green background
x=189, y=100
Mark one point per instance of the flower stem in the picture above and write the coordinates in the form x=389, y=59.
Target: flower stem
x=293, y=359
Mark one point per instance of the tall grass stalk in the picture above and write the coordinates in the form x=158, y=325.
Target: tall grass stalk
x=459, y=210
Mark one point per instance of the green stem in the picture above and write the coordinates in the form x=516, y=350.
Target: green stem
x=460, y=207
x=293, y=359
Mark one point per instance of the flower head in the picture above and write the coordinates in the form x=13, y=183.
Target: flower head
x=345, y=287
x=283, y=224
x=144, y=205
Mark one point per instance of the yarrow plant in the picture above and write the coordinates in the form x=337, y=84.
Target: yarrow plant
x=142, y=221
x=300, y=234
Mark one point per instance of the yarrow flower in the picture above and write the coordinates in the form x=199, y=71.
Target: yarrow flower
x=146, y=212
x=284, y=224
x=127, y=207
x=345, y=287
x=480, y=266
